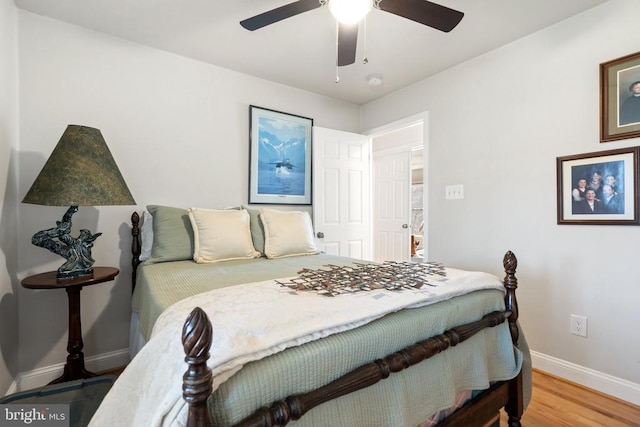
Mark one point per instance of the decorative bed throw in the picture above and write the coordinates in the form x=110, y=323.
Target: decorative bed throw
x=245, y=329
x=333, y=280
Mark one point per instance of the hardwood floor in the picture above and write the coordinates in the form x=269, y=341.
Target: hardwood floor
x=114, y=371
x=556, y=402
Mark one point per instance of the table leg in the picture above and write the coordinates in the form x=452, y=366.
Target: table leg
x=74, y=369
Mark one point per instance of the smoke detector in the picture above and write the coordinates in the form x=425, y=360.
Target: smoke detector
x=374, y=80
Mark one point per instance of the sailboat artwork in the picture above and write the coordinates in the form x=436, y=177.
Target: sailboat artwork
x=280, y=158
x=281, y=177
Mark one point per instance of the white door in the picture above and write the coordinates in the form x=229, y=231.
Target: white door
x=341, y=193
x=391, y=228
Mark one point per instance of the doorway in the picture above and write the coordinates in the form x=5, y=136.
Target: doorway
x=399, y=190
x=417, y=244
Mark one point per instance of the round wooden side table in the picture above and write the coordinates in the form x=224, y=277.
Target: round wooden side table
x=74, y=368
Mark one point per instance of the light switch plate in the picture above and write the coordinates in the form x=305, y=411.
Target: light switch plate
x=454, y=192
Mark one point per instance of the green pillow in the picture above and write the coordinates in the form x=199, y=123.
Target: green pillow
x=172, y=234
x=257, y=230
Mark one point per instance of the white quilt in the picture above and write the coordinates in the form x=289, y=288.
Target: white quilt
x=250, y=322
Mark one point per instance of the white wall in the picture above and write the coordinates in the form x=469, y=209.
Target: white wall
x=497, y=125
x=179, y=131
x=8, y=201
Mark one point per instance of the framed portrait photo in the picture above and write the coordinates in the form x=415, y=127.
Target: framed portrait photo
x=599, y=188
x=280, y=157
x=620, y=98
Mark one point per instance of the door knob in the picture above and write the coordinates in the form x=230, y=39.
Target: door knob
x=320, y=235
x=405, y=225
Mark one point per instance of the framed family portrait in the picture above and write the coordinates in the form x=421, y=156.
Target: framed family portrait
x=280, y=157
x=620, y=98
x=599, y=188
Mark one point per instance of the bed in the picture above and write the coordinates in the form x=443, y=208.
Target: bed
x=411, y=357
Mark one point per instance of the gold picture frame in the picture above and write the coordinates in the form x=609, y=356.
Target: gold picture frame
x=620, y=98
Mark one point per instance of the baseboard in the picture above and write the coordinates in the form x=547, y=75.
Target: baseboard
x=41, y=376
x=607, y=384
x=13, y=388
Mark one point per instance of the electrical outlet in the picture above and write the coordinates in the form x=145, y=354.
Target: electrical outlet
x=578, y=325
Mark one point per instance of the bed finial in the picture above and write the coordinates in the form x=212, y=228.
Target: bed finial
x=510, y=263
x=196, y=381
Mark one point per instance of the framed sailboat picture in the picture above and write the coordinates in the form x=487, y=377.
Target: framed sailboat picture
x=280, y=157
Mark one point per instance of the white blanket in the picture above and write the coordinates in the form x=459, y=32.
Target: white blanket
x=250, y=322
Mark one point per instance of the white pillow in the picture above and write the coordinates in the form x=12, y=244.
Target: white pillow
x=287, y=233
x=221, y=235
x=146, y=236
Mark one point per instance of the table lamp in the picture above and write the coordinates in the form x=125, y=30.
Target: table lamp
x=79, y=172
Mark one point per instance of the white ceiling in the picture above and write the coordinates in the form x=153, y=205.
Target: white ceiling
x=300, y=51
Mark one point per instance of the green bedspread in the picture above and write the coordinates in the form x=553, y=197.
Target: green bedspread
x=408, y=397
x=404, y=399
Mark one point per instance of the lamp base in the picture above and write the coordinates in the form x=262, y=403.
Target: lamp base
x=77, y=251
x=65, y=275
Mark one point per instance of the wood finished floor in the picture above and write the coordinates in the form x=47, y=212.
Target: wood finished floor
x=556, y=403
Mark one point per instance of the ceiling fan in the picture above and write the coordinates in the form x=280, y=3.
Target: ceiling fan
x=350, y=12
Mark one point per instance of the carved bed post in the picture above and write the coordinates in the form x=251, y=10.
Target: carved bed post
x=515, y=405
x=136, y=247
x=196, y=381
x=510, y=263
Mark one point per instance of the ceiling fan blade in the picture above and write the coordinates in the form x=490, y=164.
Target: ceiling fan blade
x=280, y=13
x=347, y=42
x=424, y=12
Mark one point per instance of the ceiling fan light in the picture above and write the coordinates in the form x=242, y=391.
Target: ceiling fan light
x=349, y=12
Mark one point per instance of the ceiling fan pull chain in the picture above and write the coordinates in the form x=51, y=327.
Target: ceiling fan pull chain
x=364, y=30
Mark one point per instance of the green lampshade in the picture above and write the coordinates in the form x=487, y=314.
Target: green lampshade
x=80, y=172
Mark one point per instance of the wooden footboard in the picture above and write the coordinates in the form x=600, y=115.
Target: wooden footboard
x=197, y=334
